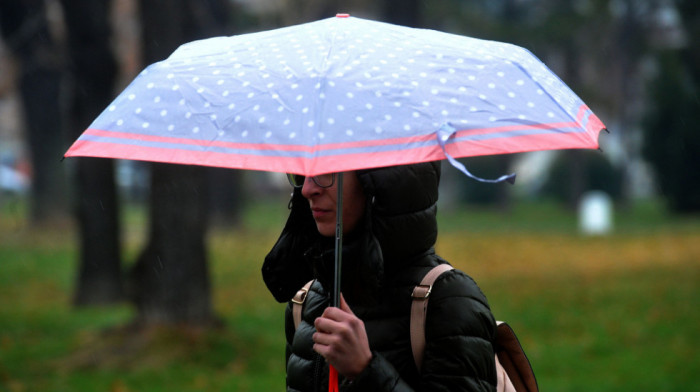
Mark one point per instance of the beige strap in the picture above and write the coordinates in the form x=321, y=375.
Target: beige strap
x=513, y=369
x=298, y=303
x=419, y=309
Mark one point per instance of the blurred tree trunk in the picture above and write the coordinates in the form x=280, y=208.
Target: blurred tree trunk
x=575, y=157
x=225, y=196
x=672, y=141
x=170, y=281
x=25, y=29
x=93, y=73
x=402, y=12
x=562, y=36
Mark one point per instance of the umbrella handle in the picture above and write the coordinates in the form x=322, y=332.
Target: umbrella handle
x=332, y=379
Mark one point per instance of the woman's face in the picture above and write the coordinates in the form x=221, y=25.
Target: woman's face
x=324, y=202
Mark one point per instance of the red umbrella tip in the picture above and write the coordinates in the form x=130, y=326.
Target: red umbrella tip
x=342, y=15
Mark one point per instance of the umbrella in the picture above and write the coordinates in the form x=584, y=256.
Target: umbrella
x=339, y=94
x=336, y=95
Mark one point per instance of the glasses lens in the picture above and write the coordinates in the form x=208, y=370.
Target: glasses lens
x=296, y=180
x=324, y=180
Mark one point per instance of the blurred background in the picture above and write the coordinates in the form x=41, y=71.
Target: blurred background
x=128, y=276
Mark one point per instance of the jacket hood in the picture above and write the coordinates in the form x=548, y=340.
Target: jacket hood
x=400, y=225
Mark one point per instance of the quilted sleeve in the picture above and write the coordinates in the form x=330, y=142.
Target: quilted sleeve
x=378, y=376
x=459, y=330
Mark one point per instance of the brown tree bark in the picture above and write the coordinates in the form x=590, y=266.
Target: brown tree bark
x=402, y=12
x=225, y=197
x=25, y=29
x=93, y=73
x=170, y=281
x=169, y=284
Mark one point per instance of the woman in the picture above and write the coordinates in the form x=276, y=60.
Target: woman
x=390, y=229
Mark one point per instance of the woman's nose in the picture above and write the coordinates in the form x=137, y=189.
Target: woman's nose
x=309, y=188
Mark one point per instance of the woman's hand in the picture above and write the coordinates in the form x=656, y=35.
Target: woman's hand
x=341, y=338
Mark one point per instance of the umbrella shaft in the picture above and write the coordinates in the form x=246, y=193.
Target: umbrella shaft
x=335, y=297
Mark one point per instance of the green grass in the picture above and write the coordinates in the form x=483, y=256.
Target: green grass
x=612, y=313
x=623, y=331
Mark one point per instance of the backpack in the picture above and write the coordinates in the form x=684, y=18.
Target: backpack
x=513, y=369
x=514, y=373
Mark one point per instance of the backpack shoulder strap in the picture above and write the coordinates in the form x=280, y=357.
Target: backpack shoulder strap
x=419, y=308
x=514, y=372
x=298, y=303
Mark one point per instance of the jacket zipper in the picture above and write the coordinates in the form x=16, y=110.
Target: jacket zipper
x=318, y=370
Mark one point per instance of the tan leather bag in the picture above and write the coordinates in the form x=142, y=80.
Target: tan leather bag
x=514, y=372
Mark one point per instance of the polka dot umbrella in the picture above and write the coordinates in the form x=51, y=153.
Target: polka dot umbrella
x=336, y=95
x=339, y=94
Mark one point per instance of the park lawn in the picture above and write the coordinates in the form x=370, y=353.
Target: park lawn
x=605, y=314
x=593, y=313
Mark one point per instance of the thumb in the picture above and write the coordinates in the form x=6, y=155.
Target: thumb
x=344, y=305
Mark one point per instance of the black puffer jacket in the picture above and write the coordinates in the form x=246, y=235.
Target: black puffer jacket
x=381, y=266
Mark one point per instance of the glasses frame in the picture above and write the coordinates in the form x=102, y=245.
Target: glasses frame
x=298, y=183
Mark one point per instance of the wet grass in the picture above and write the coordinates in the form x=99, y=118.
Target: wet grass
x=609, y=313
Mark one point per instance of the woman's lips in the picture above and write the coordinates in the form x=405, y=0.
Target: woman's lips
x=320, y=212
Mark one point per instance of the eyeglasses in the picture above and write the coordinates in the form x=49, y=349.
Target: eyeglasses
x=322, y=180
